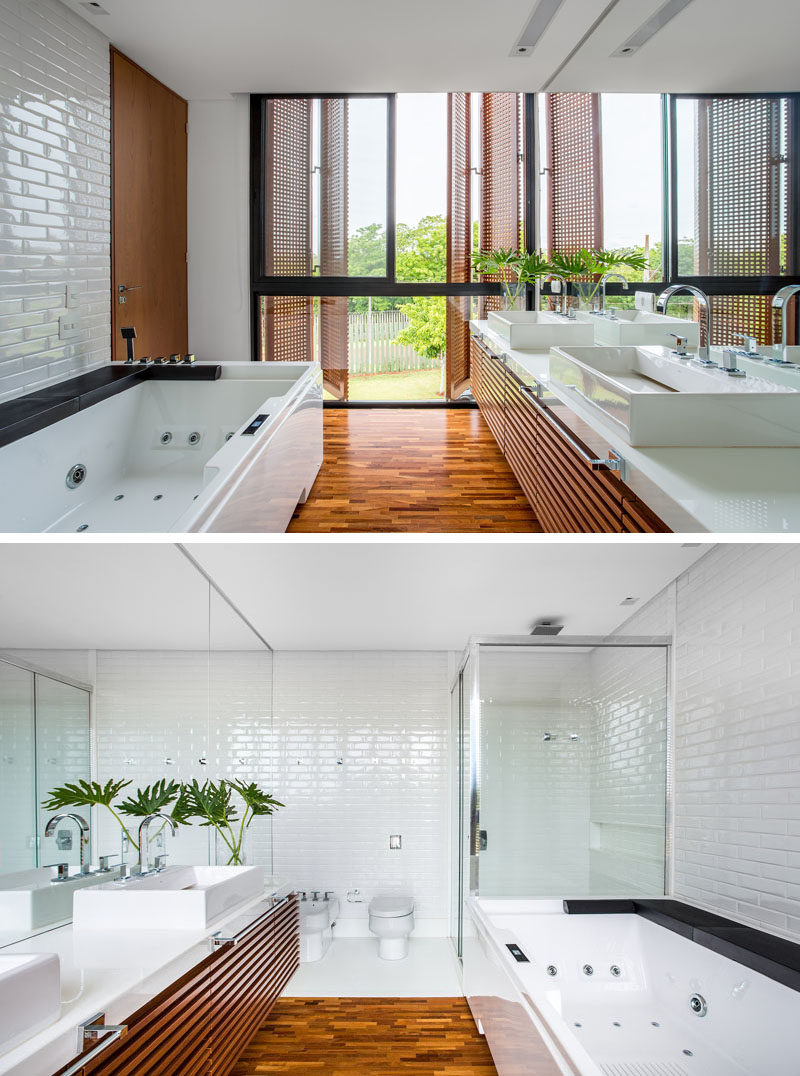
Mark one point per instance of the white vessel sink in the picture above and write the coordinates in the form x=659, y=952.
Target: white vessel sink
x=30, y=995
x=30, y=899
x=654, y=398
x=641, y=327
x=538, y=330
x=178, y=898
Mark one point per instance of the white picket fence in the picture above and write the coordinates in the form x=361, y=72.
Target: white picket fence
x=373, y=347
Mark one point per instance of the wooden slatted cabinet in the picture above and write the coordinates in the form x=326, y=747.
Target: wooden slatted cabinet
x=200, y=1024
x=551, y=463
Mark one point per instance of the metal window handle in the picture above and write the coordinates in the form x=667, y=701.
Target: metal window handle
x=610, y=463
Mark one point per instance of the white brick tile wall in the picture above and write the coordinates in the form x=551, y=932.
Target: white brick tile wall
x=54, y=193
x=151, y=706
x=737, y=735
x=363, y=753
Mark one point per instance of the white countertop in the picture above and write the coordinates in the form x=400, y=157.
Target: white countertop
x=115, y=972
x=723, y=490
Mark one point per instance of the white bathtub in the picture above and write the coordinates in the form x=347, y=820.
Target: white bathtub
x=167, y=455
x=637, y=1022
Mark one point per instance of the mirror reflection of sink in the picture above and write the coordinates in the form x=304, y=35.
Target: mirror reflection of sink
x=30, y=995
x=655, y=399
x=640, y=327
x=538, y=330
x=30, y=899
x=177, y=898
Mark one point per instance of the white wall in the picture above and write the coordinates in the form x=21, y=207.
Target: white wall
x=55, y=215
x=219, y=229
x=736, y=620
x=363, y=753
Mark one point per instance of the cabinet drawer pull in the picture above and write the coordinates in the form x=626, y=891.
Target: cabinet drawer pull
x=218, y=939
x=482, y=347
x=610, y=463
x=94, y=1029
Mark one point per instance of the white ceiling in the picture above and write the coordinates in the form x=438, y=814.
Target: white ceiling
x=320, y=595
x=142, y=596
x=433, y=595
x=208, y=49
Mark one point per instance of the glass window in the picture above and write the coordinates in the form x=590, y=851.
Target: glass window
x=421, y=187
x=325, y=186
x=629, y=173
x=732, y=186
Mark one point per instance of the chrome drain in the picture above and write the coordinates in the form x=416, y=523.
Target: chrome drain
x=75, y=476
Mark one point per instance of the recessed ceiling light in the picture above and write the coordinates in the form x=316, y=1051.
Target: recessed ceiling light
x=657, y=21
x=536, y=25
x=629, y=601
x=94, y=7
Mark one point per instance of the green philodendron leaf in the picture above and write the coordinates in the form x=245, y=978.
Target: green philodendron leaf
x=151, y=799
x=257, y=800
x=532, y=266
x=209, y=803
x=84, y=794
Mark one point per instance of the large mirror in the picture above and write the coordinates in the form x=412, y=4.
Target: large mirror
x=119, y=663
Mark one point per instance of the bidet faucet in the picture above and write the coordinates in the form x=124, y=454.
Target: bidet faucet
x=603, y=281
x=703, y=353
x=144, y=838
x=780, y=301
x=83, y=833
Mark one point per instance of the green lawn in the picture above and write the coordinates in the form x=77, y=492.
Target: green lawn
x=408, y=385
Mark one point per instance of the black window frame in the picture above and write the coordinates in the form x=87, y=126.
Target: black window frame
x=739, y=285
x=262, y=285
x=347, y=286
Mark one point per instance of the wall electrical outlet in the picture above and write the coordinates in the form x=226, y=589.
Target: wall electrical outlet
x=68, y=327
x=644, y=300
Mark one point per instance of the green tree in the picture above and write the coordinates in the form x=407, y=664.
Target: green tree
x=422, y=251
x=426, y=330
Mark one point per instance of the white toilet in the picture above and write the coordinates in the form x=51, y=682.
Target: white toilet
x=391, y=918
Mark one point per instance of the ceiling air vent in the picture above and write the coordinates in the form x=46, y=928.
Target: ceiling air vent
x=546, y=627
x=657, y=21
x=536, y=25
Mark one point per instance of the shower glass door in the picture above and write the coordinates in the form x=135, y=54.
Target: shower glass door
x=568, y=760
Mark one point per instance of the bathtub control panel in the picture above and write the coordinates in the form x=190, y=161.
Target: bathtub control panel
x=255, y=425
x=517, y=953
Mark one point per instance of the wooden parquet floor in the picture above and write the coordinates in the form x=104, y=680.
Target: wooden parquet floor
x=368, y=1037
x=412, y=470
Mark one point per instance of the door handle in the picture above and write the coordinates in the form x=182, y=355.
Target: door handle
x=123, y=288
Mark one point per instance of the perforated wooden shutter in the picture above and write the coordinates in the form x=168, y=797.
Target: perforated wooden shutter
x=501, y=178
x=741, y=204
x=333, y=324
x=459, y=226
x=286, y=321
x=575, y=164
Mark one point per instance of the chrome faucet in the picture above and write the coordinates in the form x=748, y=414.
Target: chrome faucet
x=779, y=302
x=144, y=838
x=563, y=292
x=603, y=281
x=83, y=834
x=703, y=353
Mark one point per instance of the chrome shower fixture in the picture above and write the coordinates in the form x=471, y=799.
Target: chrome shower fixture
x=546, y=627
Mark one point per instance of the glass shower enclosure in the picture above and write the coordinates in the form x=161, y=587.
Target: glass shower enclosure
x=560, y=756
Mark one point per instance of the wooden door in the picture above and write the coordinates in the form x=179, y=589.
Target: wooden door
x=148, y=211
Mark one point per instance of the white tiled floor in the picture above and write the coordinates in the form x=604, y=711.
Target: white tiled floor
x=352, y=969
